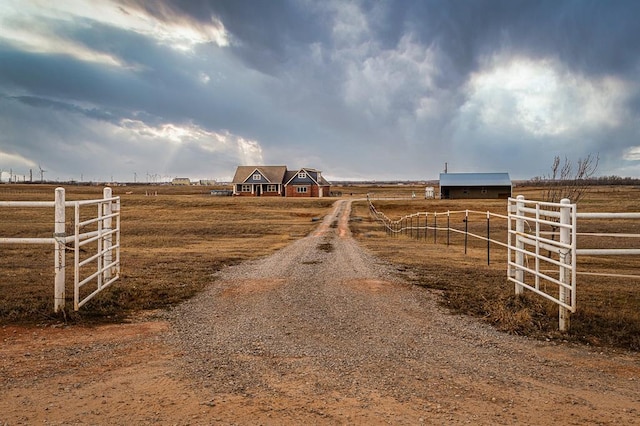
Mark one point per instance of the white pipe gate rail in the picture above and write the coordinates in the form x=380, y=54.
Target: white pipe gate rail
x=531, y=230
x=98, y=229
x=561, y=255
x=107, y=269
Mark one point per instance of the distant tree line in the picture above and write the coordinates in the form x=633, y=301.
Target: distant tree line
x=568, y=180
x=592, y=181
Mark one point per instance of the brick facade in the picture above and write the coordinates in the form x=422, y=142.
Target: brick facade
x=302, y=183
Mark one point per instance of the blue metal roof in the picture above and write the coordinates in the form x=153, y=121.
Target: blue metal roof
x=475, y=179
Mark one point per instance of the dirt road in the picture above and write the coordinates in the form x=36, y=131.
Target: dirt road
x=318, y=333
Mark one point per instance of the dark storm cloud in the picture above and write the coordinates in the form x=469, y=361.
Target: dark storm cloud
x=360, y=87
x=94, y=113
x=591, y=36
x=160, y=82
x=266, y=34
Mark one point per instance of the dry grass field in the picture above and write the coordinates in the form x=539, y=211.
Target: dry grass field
x=174, y=242
x=608, y=307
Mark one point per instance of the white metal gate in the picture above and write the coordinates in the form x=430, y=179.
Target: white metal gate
x=96, y=241
x=536, y=261
x=101, y=267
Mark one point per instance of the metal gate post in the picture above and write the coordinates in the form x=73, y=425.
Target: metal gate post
x=466, y=230
x=488, y=239
x=519, y=289
x=107, y=241
x=448, y=227
x=59, y=251
x=565, y=258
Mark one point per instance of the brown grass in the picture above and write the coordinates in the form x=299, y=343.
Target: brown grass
x=172, y=244
x=608, y=308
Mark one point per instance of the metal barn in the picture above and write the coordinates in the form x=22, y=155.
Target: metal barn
x=475, y=185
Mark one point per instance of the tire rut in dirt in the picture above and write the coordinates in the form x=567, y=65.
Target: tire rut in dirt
x=328, y=319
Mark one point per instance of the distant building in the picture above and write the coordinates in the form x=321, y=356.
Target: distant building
x=181, y=181
x=429, y=192
x=264, y=181
x=475, y=185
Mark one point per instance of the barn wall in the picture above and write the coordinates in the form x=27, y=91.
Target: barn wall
x=492, y=192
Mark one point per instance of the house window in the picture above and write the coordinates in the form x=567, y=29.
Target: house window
x=272, y=188
x=301, y=189
x=257, y=176
x=302, y=175
x=246, y=188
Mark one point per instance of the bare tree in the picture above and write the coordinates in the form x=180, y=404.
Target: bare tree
x=565, y=182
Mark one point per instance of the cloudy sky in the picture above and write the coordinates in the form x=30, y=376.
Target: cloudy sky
x=151, y=90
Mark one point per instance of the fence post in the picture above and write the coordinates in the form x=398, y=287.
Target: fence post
x=59, y=251
x=519, y=289
x=426, y=226
x=488, y=240
x=107, y=241
x=466, y=229
x=565, y=258
x=448, y=226
x=435, y=227
x=411, y=228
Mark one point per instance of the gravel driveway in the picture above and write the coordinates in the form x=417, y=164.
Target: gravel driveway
x=322, y=332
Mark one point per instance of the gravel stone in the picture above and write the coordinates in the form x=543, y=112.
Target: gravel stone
x=327, y=318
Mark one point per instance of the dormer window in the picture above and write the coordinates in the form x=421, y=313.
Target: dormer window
x=257, y=176
x=302, y=175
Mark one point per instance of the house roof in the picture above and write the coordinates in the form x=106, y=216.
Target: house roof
x=475, y=179
x=314, y=175
x=320, y=180
x=273, y=174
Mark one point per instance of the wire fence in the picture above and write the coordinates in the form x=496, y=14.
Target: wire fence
x=606, y=235
x=607, y=246
x=443, y=227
